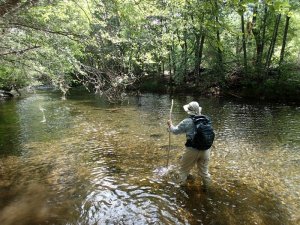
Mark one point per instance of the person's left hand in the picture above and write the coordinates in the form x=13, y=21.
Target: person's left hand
x=169, y=122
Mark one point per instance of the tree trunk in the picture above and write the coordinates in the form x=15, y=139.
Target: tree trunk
x=272, y=44
x=237, y=46
x=170, y=63
x=261, y=44
x=244, y=42
x=185, y=50
x=197, y=60
x=259, y=38
x=163, y=69
x=256, y=34
x=198, y=55
x=264, y=32
x=219, y=53
x=161, y=58
x=284, y=39
x=173, y=60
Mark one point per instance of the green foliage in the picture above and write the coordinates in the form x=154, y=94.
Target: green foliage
x=44, y=41
x=107, y=44
x=12, y=77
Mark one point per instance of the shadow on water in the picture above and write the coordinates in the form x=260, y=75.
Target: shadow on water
x=26, y=205
x=9, y=129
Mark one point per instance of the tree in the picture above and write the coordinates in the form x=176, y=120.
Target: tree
x=244, y=38
x=107, y=45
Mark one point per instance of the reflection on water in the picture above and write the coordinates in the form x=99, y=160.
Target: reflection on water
x=87, y=162
x=9, y=129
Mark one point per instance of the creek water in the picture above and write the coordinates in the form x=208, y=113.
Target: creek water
x=84, y=161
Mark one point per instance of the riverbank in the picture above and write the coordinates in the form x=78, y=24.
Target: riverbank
x=271, y=89
x=274, y=89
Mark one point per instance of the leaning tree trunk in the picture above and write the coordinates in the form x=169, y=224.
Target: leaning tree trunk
x=284, y=39
x=272, y=44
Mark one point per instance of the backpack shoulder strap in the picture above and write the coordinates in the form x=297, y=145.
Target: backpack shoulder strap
x=201, y=118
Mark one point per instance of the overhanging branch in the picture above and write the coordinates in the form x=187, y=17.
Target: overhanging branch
x=70, y=35
x=19, y=52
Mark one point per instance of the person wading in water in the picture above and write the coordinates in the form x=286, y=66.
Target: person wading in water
x=192, y=156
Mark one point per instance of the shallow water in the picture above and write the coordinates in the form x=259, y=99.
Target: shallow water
x=83, y=161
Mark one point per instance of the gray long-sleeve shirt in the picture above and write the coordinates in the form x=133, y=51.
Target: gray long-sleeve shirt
x=185, y=126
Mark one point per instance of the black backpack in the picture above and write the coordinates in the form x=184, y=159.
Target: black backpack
x=204, y=136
